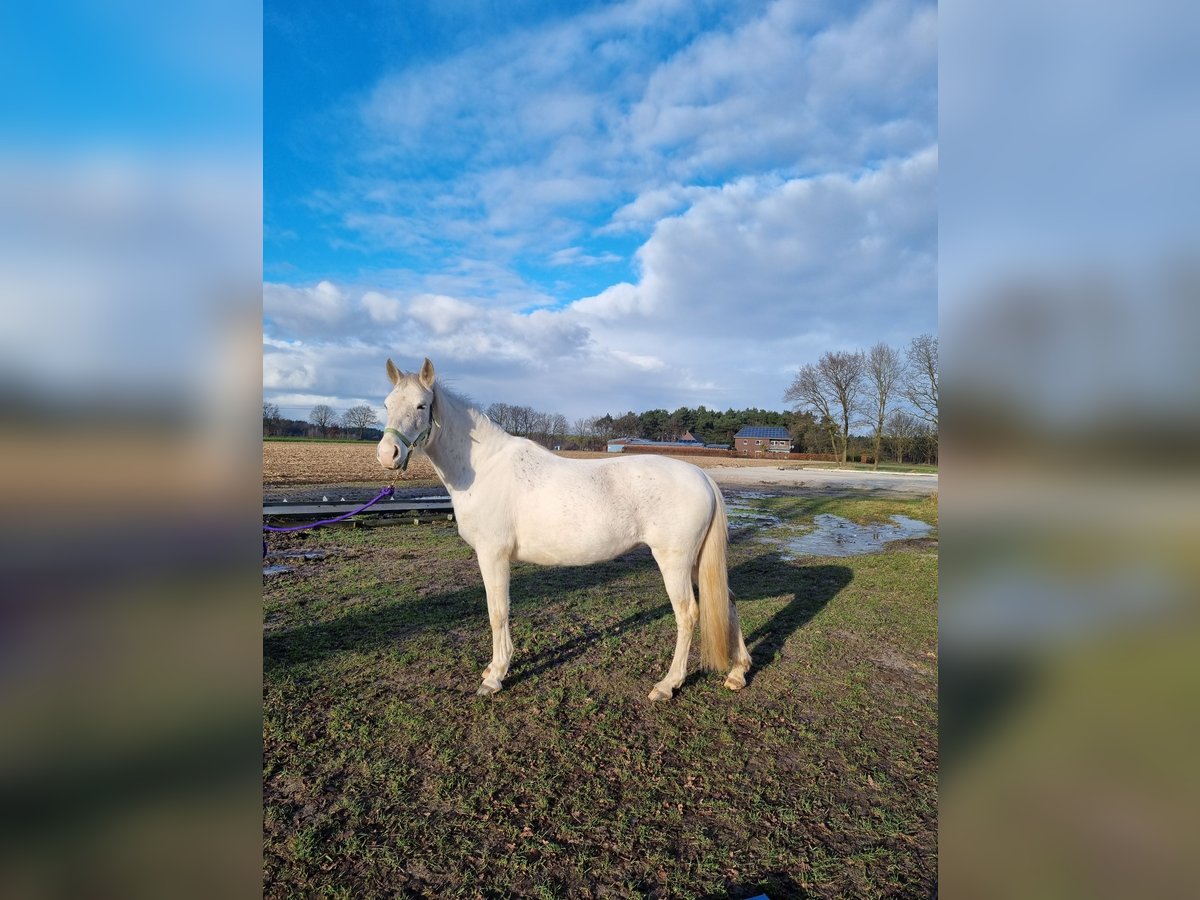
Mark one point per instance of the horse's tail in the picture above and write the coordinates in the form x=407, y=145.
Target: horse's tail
x=713, y=577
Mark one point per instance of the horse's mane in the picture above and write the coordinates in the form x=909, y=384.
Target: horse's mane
x=457, y=396
x=465, y=402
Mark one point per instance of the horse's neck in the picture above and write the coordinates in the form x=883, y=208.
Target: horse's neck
x=464, y=439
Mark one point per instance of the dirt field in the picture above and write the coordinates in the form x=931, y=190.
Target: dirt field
x=313, y=462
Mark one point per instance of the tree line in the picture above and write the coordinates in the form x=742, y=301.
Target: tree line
x=709, y=425
x=357, y=422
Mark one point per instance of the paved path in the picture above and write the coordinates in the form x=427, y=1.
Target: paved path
x=825, y=480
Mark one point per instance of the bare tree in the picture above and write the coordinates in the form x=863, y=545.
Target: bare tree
x=585, y=430
x=925, y=442
x=322, y=416
x=270, y=417
x=501, y=414
x=831, y=389
x=921, y=378
x=539, y=426
x=523, y=420
x=884, y=374
x=558, y=429
x=360, y=417
x=902, y=429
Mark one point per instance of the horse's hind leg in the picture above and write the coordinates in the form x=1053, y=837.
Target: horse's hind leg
x=736, y=680
x=678, y=580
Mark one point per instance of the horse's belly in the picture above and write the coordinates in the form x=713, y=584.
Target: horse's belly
x=550, y=542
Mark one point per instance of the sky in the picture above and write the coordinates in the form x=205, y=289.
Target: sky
x=593, y=208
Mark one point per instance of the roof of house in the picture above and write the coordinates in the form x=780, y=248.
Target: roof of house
x=772, y=432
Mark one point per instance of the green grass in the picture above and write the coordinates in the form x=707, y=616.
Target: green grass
x=384, y=774
x=800, y=510
x=867, y=467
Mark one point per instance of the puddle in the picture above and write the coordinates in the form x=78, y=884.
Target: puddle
x=277, y=569
x=742, y=516
x=300, y=554
x=734, y=496
x=835, y=536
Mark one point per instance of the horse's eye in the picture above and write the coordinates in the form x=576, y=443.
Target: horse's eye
x=420, y=406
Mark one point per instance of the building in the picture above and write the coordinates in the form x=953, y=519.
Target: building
x=762, y=439
x=618, y=445
x=689, y=438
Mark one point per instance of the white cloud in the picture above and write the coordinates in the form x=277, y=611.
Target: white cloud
x=382, y=308
x=826, y=247
x=621, y=302
x=575, y=256
x=280, y=373
x=321, y=304
x=442, y=315
x=650, y=206
x=644, y=363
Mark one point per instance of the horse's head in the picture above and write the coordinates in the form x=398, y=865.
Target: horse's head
x=409, y=415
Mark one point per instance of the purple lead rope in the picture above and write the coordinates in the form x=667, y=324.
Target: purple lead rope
x=386, y=492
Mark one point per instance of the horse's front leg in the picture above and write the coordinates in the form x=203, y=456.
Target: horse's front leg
x=495, y=570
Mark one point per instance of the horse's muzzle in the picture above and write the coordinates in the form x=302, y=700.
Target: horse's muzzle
x=391, y=455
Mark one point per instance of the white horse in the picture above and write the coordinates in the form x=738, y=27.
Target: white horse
x=515, y=500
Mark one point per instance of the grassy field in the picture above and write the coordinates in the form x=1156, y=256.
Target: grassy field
x=385, y=775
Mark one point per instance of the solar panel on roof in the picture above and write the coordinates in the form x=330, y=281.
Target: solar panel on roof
x=764, y=431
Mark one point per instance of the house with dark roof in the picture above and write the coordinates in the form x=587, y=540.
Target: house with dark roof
x=762, y=439
x=689, y=438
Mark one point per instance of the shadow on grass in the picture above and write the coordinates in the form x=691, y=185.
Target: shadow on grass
x=807, y=589
x=548, y=659
x=810, y=587
x=390, y=622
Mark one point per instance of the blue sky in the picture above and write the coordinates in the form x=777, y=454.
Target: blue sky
x=592, y=208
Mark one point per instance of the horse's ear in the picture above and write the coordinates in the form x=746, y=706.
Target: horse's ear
x=393, y=373
x=426, y=375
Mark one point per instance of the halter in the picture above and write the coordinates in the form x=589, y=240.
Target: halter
x=416, y=443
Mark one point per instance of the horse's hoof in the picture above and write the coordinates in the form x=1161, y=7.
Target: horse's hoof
x=659, y=694
x=735, y=684
x=488, y=688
